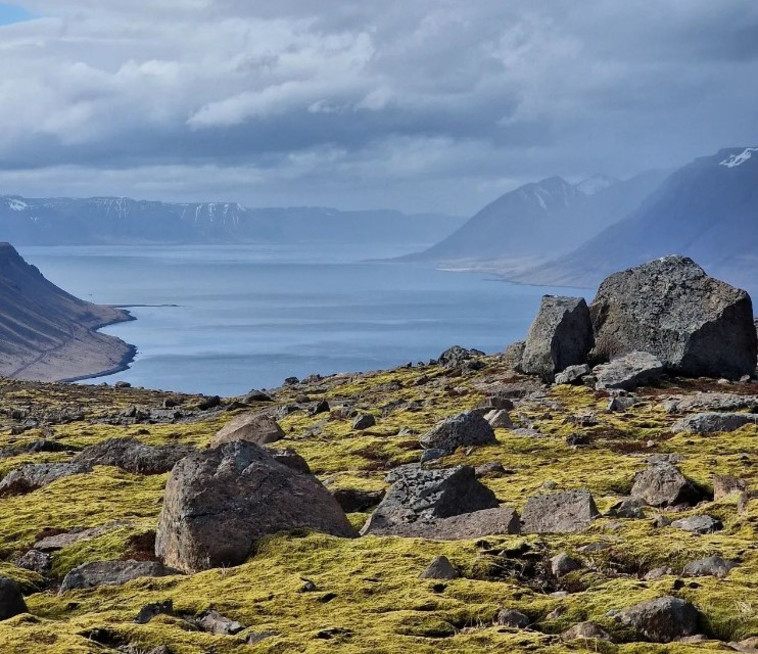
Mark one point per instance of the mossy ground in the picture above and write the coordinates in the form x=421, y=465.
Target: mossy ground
x=368, y=596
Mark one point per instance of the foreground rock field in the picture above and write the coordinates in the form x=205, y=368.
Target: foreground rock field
x=310, y=592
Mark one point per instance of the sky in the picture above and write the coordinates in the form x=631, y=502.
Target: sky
x=418, y=105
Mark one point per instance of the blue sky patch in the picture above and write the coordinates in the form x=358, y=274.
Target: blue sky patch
x=13, y=14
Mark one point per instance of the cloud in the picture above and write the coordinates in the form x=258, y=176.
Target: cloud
x=434, y=104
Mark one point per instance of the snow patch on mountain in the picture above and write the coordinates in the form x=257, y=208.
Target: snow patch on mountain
x=595, y=184
x=734, y=160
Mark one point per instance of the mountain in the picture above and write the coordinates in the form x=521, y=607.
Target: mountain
x=107, y=220
x=48, y=334
x=707, y=210
x=538, y=221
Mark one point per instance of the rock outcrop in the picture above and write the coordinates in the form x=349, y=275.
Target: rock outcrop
x=219, y=502
x=560, y=336
x=694, y=324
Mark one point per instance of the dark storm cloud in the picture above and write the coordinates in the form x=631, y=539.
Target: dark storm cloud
x=430, y=104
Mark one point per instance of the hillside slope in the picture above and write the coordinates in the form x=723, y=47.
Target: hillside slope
x=48, y=334
x=707, y=210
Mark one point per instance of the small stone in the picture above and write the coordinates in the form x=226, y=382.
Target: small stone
x=512, y=619
x=499, y=419
x=491, y=469
x=562, y=564
x=149, y=611
x=219, y=625
x=587, y=631
x=320, y=407
x=657, y=573
x=572, y=375
x=713, y=566
x=432, y=454
x=364, y=421
x=724, y=485
x=440, y=568
x=698, y=524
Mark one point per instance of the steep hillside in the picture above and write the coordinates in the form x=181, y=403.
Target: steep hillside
x=47, y=334
x=539, y=220
x=707, y=210
x=67, y=221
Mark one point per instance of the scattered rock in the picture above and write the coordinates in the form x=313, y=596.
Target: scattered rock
x=628, y=507
x=561, y=564
x=662, y=484
x=498, y=419
x=419, y=498
x=587, y=631
x=253, y=638
x=563, y=512
x=513, y=354
x=255, y=428
x=560, y=336
x=468, y=428
x=214, y=623
x=698, y=524
x=291, y=459
x=491, y=469
x=112, y=573
x=36, y=475
x=149, y=611
x=724, y=485
x=657, y=573
x=218, y=502
x=440, y=568
x=628, y=371
x=747, y=646
x=572, y=374
x=713, y=566
x=320, y=407
x=11, y=600
x=254, y=395
x=575, y=440
x=354, y=500
x=662, y=620
x=694, y=324
x=433, y=454
x=713, y=423
x=208, y=403
x=66, y=538
x=621, y=403
x=364, y=421
x=455, y=356
x=131, y=455
x=36, y=561
x=512, y=619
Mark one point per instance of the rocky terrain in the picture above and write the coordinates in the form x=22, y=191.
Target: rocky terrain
x=590, y=489
x=48, y=334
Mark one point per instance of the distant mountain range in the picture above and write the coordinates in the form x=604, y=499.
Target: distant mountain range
x=47, y=334
x=108, y=220
x=707, y=210
x=538, y=221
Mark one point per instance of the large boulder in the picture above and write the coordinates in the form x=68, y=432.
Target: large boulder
x=559, y=513
x=694, y=324
x=131, y=455
x=468, y=428
x=419, y=501
x=560, y=336
x=663, y=484
x=220, y=501
x=256, y=428
x=11, y=600
x=662, y=620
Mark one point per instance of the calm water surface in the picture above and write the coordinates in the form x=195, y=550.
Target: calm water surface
x=224, y=319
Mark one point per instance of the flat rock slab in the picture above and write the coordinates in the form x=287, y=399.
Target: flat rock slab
x=628, y=371
x=572, y=375
x=463, y=430
x=133, y=456
x=256, y=428
x=36, y=475
x=418, y=498
x=709, y=401
x=713, y=423
x=112, y=573
x=698, y=524
x=559, y=513
x=59, y=541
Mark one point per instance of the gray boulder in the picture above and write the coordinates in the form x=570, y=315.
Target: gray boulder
x=258, y=428
x=561, y=564
x=663, y=619
x=112, y=573
x=465, y=429
x=694, y=324
x=572, y=374
x=356, y=500
x=698, y=524
x=36, y=475
x=713, y=423
x=499, y=419
x=560, y=336
x=725, y=485
x=218, y=502
x=440, y=568
x=419, y=498
x=662, y=484
x=560, y=513
x=713, y=566
x=512, y=619
x=11, y=600
x=586, y=631
x=364, y=421
x=131, y=455
x=456, y=356
x=628, y=371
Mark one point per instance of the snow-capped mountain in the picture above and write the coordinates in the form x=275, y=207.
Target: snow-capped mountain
x=540, y=220
x=707, y=210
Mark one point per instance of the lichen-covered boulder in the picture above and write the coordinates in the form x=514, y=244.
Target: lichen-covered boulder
x=560, y=336
x=694, y=324
x=663, y=484
x=468, y=428
x=256, y=428
x=559, y=513
x=220, y=501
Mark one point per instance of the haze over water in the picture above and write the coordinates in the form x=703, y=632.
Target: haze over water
x=225, y=319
